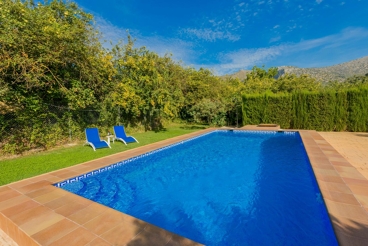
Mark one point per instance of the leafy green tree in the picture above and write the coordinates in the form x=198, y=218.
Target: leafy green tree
x=260, y=80
x=50, y=54
x=210, y=112
x=145, y=87
x=292, y=82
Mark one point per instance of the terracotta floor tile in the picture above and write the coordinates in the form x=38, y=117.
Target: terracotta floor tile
x=341, y=163
x=360, y=182
x=29, y=214
x=319, y=161
x=9, y=194
x=326, y=172
x=352, y=227
x=352, y=241
x=78, y=237
x=335, y=187
x=3, y=223
x=328, y=178
x=20, y=207
x=12, y=202
x=21, y=183
x=359, y=190
x=325, y=166
x=111, y=224
x=338, y=159
x=70, y=208
x=34, y=186
x=12, y=230
x=122, y=233
x=65, y=174
x=99, y=242
x=44, y=190
x=57, y=203
x=346, y=210
x=148, y=238
x=54, y=194
x=104, y=222
x=341, y=197
x=54, y=232
x=46, y=177
x=4, y=189
x=90, y=212
x=41, y=222
x=24, y=239
x=349, y=172
x=67, y=198
x=363, y=200
x=180, y=241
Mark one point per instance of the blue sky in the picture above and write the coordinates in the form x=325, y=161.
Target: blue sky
x=228, y=35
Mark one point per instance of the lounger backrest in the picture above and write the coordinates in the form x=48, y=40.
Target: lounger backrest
x=92, y=135
x=119, y=131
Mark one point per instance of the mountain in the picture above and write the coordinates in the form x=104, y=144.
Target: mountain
x=338, y=72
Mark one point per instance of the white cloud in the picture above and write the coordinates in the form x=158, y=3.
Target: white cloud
x=247, y=58
x=319, y=1
x=210, y=35
x=181, y=50
x=275, y=39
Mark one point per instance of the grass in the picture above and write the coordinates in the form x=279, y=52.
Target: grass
x=12, y=170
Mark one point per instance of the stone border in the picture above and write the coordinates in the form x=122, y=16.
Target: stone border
x=34, y=212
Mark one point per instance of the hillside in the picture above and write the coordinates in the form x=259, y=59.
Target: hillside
x=337, y=72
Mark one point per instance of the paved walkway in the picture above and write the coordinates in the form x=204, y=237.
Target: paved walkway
x=36, y=213
x=5, y=240
x=353, y=146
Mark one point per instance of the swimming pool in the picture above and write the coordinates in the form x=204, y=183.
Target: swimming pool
x=224, y=188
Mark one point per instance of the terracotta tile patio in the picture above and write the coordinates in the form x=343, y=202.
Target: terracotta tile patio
x=33, y=212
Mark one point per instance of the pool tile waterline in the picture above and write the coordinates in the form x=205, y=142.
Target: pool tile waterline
x=349, y=220
x=118, y=164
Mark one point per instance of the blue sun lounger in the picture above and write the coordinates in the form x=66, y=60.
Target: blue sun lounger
x=119, y=132
x=93, y=139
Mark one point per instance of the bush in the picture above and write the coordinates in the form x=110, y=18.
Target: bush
x=326, y=110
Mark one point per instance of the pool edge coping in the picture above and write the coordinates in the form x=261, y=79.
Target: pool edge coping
x=36, y=191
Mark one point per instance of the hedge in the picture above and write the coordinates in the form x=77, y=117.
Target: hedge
x=345, y=110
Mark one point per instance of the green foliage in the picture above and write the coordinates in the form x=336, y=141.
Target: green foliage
x=326, y=110
x=43, y=162
x=50, y=54
x=260, y=81
x=358, y=109
x=267, y=108
x=56, y=79
x=351, y=82
x=211, y=112
x=145, y=87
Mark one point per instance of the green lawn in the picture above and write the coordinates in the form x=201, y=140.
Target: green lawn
x=28, y=166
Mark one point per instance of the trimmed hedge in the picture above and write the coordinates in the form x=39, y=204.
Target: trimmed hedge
x=321, y=111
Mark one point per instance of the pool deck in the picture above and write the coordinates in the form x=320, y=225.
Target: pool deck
x=33, y=212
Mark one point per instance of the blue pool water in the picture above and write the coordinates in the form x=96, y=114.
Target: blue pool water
x=224, y=188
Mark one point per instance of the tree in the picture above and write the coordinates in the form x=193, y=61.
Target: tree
x=145, y=87
x=50, y=54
